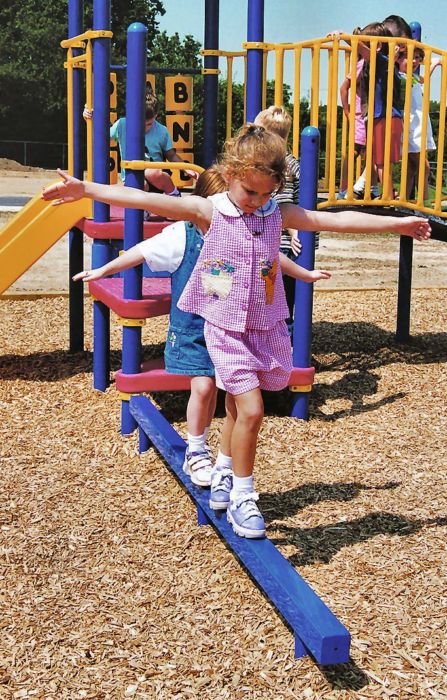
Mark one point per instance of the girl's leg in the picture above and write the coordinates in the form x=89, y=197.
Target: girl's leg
x=412, y=170
x=161, y=180
x=201, y=404
x=228, y=426
x=426, y=174
x=242, y=512
x=222, y=477
x=197, y=462
x=244, y=437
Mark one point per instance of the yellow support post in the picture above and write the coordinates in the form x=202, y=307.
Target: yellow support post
x=387, y=184
x=89, y=105
x=315, y=84
x=229, y=118
x=265, y=55
x=370, y=123
x=279, y=75
x=296, y=102
x=70, y=113
x=441, y=135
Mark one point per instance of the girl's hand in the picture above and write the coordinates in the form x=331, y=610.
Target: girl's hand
x=415, y=227
x=316, y=275
x=192, y=173
x=87, y=113
x=88, y=275
x=296, y=244
x=69, y=190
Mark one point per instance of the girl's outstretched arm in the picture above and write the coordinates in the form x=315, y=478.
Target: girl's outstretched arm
x=195, y=209
x=354, y=222
x=130, y=258
x=290, y=268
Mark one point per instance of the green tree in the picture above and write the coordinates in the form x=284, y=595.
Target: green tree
x=32, y=79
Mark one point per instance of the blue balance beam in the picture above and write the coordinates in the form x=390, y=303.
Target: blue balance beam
x=316, y=629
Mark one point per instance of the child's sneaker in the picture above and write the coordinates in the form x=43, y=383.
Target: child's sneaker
x=221, y=485
x=244, y=516
x=198, y=466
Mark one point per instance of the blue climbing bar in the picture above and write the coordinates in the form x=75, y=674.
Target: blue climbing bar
x=255, y=33
x=302, y=327
x=76, y=237
x=210, y=82
x=101, y=251
x=133, y=218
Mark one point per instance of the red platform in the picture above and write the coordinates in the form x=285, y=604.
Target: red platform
x=153, y=377
x=156, y=299
x=115, y=227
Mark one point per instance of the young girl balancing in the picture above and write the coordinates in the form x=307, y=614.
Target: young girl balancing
x=175, y=250
x=236, y=288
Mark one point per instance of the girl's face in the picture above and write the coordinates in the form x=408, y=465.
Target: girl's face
x=251, y=191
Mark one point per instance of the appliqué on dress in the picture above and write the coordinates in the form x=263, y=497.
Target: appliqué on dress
x=268, y=274
x=217, y=278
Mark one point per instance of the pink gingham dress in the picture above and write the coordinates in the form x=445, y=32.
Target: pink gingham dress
x=236, y=286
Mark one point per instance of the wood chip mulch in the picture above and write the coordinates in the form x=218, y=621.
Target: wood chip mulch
x=109, y=589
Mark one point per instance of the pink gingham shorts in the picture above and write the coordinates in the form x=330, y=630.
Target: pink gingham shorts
x=252, y=359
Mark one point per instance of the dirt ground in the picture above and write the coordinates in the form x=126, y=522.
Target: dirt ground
x=355, y=261
x=110, y=589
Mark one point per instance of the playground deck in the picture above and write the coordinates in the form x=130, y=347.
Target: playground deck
x=116, y=588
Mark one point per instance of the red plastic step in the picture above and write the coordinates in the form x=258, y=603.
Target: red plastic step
x=153, y=377
x=156, y=299
x=115, y=227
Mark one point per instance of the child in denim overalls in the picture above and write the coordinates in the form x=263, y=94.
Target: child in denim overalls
x=238, y=287
x=176, y=250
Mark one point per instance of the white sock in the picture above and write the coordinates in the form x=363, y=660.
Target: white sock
x=174, y=193
x=223, y=461
x=196, y=443
x=360, y=184
x=241, y=484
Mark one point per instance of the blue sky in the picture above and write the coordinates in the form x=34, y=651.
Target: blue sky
x=296, y=20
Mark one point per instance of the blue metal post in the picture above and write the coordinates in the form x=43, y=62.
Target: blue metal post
x=210, y=83
x=101, y=251
x=101, y=103
x=405, y=262
x=133, y=218
x=255, y=32
x=101, y=324
x=302, y=327
x=75, y=239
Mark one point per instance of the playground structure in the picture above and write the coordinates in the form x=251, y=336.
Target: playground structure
x=316, y=630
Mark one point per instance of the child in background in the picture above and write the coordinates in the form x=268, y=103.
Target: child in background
x=236, y=288
x=278, y=121
x=394, y=26
x=361, y=104
x=157, y=147
x=416, y=111
x=176, y=250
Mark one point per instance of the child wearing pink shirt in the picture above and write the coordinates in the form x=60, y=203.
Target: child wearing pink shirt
x=237, y=288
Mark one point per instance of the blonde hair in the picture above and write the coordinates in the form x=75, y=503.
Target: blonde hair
x=275, y=119
x=211, y=181
x=254, y=148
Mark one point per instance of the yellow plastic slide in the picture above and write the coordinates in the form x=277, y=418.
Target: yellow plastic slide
x=29, y=235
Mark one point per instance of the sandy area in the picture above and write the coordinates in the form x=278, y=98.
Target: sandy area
x=109, y=587
x=355, y=261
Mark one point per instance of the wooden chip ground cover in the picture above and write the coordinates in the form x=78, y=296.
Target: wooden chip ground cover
x=109, y=589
